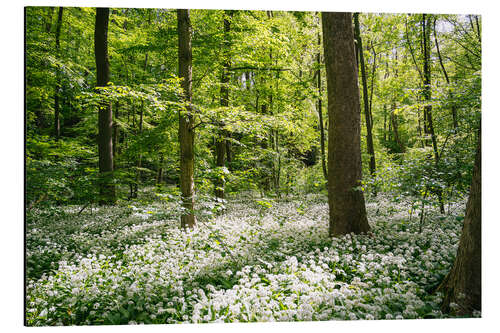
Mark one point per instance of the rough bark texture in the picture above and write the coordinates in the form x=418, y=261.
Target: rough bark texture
x=186, y=130
x=346, y=201
x=368, y=121
x=105, y=117
x=462, y=285
x=57, y=121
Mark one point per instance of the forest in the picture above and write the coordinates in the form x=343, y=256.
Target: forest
x=196, y=166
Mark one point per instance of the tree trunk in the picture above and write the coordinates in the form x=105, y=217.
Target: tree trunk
x=453, y=106
x=395, y=124
x=462, y=285
x=221, y=146
x=186, y=119
x=361, y=64
x=427, y=83
x=48, y=21
x=385, y=123
x=426, y=34
x=159, y=178
x=345, y=199
x=116, y=131
x=320, y=111
x=105, y=117
x=138, y=174
x=57, y=121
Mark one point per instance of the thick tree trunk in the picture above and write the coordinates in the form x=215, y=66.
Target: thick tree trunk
x=346, y=201
x=462, y=285
x=186, y=119
x=368, y=121
x=57, y=121
x=105, y=117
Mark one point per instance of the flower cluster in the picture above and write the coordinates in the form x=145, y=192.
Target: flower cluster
x=127, y=265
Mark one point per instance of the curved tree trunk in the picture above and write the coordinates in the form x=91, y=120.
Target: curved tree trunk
x=346, y=202
x=105, y=117
x=186, y=131
x=462, y=285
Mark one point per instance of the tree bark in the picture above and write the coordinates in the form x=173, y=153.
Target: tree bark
x=361, y=64
x=105, y=117
x=462, y=285
x=345, y=199
x=57, y=121
x=186, y=119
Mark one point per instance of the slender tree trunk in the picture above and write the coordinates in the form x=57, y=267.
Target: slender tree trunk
x=116, y=131
x=453, y=106
x=159, y=178
x=105, y=117
x=320, y=110
x=57, y=121
x=372, y=85
x=361, y=64
x=221, y=146
x=138, y=176
x=478, y=28
x=395, y=128
x=345, y=199
x=227, y=29
x=385, y=123
x=409, y=43
x=427, y=83
x=48, y=21
x=186, y=119
x=462, y=285
x=426, y=34
x=138, y=173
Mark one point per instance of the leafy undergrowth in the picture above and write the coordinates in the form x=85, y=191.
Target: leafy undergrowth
x=273, y=262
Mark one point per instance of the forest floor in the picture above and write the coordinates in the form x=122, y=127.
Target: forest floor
x=261, y=260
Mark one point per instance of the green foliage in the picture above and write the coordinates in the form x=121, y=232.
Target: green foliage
x=58, y=172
